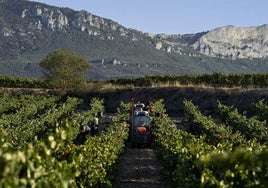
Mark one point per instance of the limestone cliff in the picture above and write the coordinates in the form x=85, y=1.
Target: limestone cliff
x=235, y=42
x=29, y=31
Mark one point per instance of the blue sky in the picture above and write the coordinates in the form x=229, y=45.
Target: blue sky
x=174, y=16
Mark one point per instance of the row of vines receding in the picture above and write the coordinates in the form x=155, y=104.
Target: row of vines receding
x=228, y=152
x=38, y=146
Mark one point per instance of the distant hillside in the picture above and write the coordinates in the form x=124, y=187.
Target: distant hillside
x=30, y=30
x=235, y=42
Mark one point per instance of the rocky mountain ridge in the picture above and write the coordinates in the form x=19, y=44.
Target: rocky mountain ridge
x=44, y=17
x=31, y=30
x=235, y=42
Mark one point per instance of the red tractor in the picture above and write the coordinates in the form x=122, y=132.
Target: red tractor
x=140, y=123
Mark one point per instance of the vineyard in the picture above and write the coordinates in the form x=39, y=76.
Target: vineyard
x=214, y=79
x=40, y=147
x=229, y=153
x=37, y=139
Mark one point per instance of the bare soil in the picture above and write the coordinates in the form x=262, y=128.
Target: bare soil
x=139, y=168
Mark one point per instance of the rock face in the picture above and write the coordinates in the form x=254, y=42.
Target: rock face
x=30, y=30
x=226, y=42
x=235, y=42
x=49, y=19
x=59, y=20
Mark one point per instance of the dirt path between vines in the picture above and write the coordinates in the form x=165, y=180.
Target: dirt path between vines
x=139, y=168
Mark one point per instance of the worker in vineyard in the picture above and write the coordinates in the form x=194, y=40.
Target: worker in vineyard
x=86, y=128
x=84, y=133
x=148, y=106
x=139, y=106
x=94, y=123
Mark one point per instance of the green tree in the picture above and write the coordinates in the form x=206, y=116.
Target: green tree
x=64, y=69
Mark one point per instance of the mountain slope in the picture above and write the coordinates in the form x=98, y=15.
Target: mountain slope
x=30, y=30
x=235, y=42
